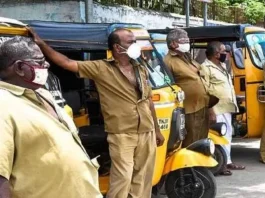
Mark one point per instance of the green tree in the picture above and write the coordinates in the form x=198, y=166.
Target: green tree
x=254, y=10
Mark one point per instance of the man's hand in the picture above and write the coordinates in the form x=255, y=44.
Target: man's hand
x=212, y=116
x=54, y=56
x=35, y=36
x=159, y=138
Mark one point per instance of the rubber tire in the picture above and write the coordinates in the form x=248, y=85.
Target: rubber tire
x=221, y=157
x=202, y=174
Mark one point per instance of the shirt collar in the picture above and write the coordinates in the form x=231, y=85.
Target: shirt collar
x=209, y=62
x=112, y=60
x=172, y=53
x=16, y=90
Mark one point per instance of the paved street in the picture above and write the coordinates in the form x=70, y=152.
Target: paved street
x=249, y=183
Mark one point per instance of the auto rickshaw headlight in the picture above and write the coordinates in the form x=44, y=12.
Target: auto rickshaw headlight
x=224, y=129
x=181, y=96
x=204, y=146
x=177, y=128
x=220, y=127
x=212, y=146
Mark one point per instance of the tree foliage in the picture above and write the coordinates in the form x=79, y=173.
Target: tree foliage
x=254, y=10
x=233, y=11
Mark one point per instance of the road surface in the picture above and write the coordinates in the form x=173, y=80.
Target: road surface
x=249, y=183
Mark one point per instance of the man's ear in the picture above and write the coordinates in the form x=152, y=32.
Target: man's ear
x=116, y=47
x=174, y=45
x=18, y=68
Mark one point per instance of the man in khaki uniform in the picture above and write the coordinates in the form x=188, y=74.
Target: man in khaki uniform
x=41, y=155
x=220, y=85
x=128, y=111
x=189, y=77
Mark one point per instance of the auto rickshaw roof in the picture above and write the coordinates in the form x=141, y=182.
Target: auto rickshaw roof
x=210, y=33
x=77, y=36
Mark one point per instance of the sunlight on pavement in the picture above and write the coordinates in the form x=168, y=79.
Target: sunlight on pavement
x=256, y=188
x=246, y=143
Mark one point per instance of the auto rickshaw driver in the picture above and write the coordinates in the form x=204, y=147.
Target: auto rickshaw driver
x=131, y=130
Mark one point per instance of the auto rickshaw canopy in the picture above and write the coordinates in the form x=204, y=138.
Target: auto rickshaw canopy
x=77, y=36
x=208, y=33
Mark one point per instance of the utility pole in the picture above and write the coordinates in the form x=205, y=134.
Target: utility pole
x=187, y=13
x=89, y=11
x=205, y=13
x=205, y=10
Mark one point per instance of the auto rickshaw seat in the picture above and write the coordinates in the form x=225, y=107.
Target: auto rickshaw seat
x=92, y=135
x=241, y=111
x=73, y=100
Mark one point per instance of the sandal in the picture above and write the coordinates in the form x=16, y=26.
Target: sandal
x=226, y=172
x=235, y=167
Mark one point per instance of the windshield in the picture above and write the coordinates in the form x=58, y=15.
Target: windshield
x=158, y=74
x=256, y=43
x=161, y=48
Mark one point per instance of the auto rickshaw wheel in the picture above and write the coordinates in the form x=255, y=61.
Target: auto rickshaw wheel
x=221, y=158
x=196, y=182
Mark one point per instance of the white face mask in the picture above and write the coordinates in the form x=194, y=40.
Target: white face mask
x=184, y=47
x=41, y=76
x=134, y=51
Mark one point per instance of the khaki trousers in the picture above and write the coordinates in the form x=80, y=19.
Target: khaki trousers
x=197, y=126
x=132, y=164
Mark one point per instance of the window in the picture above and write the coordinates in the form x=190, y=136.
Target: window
x=158, y=74
x=238, y=56
x=256, y=45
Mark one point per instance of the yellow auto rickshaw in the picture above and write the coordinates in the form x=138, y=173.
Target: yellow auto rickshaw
x=183, y=171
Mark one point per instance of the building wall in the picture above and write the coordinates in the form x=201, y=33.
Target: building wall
x=74, y=11
x=150, y=19
x=68, y=11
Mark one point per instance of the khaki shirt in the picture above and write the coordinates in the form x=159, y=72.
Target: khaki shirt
x=191, y=83
x=122, y=108
x=41, y=156
x=220, y=84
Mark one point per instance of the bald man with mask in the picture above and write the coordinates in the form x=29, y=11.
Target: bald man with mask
x=220, y=84
x=128, y=111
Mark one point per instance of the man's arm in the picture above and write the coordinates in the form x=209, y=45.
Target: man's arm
x=56, y=57
x=152, y=107
x=159, y=137
x=4, y=188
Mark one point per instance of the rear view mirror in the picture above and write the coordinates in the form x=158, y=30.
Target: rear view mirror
x=240, y=44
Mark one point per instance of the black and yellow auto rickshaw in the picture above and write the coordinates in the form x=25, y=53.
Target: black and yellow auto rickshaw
x=183, y=171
